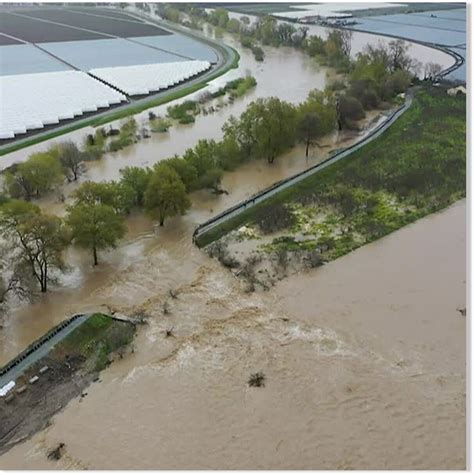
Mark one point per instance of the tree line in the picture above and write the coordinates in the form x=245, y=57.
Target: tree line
x=95, y=218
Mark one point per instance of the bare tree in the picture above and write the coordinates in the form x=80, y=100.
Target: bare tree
x=431, y=70
x=346, y=38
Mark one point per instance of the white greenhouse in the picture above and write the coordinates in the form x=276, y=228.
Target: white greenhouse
x=33, y=101
x=147, y=78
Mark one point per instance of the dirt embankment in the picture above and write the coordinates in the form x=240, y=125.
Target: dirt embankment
x=63, y=374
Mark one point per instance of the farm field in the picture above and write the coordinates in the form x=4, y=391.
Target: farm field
x=54, y=40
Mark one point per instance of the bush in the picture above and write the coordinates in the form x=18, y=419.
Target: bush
x=159, y=124
x=350, y=109
x=183, y=111
x=187, y=119
x=274, y=217
x=258, y=53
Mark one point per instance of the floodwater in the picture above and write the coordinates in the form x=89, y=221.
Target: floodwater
x=285, y=73
x=82, y=288
x=341, y=391
x=364, y=362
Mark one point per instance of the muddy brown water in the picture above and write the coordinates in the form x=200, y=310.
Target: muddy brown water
x=364, y=362
x=80, y=289
x=341, y=391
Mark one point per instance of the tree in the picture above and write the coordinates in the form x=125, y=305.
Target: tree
x=324, y=105
x=233, y=25
x=204, y=158
x=219, y=17
x=110, y=193
x=185, y=169
x=431, y=70
x=398, y=53
x=272, y=124
x=72, y=160
x=166, y=194
x=350, y=109
x=95, y=226
x=38, y=175
x=308, y=128
x=38, y=238
x=136, y=179
x=314, y=45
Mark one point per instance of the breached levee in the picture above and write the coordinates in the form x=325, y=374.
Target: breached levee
x=51, y=371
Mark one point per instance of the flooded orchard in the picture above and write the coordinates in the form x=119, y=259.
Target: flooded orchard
x=342, y=349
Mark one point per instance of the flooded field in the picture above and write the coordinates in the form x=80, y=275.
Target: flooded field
x=333, y=367
x=82, y=285
x=362, y=372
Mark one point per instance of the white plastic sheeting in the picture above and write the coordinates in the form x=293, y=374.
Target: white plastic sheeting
x=32, y=101
x=331, y=10
x=146, y=78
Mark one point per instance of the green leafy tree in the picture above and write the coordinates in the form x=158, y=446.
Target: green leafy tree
x=275, y=126
x=37, y=239
x=38, y=175
x=219, y=17
x=166, y=194
x=204, y=158
x=136, y=180
x=110, y=193
x=95, y=226
x=185, y=169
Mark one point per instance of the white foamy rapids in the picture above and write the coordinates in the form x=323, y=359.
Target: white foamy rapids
x=325, y=341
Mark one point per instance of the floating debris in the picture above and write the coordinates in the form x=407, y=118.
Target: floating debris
x=56, y=453
x=257, y=380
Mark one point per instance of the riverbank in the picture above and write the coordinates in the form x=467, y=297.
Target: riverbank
x=415, y=168
x=48, y=384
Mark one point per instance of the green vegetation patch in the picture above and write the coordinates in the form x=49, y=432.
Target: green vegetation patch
x=417, y=167
x=95, y=339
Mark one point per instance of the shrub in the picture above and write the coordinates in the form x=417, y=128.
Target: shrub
x=274, y=218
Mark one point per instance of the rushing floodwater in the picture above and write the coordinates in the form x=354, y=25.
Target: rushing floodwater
x=81, y=289
x=362, y=371
x=340, y=360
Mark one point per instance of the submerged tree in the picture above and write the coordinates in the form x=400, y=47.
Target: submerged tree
x=308, y=129
x=95, y=226
x=72, y=160
x=166, y=194
x=38, y=175
x=37, y=239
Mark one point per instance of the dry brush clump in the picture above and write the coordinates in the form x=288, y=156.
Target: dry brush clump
x=256, y=380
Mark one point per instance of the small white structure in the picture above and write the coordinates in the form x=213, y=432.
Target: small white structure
x=32, y=101
x=7, y=388
x=144, y=79
x=454, y=91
